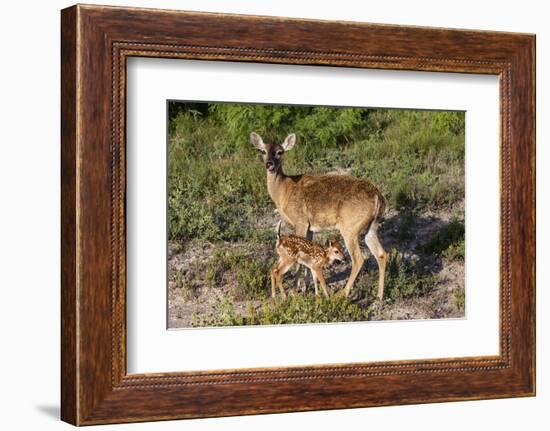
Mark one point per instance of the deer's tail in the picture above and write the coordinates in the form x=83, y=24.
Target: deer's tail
x=380, y=206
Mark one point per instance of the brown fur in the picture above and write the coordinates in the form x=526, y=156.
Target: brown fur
x=312, y=202
x=294, y=249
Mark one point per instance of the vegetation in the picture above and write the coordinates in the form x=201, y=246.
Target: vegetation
x=217, y=197
x=404, y=280
x=448, y=241
x=460, y=299
x=216, y=182
x=304, y=308
x=251, y=272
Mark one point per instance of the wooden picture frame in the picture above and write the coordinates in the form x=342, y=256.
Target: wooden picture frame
x=95, y=43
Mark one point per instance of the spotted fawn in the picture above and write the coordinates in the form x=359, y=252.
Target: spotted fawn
x=295, y=249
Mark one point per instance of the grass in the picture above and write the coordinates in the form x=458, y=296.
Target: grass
x=295, y=309
x=223, y=314
x=448, y=242
x=250, y=270
x=186, y=288
x=216, y=182
x=460, y=298
x=405, y=278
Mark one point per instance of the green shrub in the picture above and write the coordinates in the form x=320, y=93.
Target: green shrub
x=316, y=126
x=309, y=308
x=460, y=298
x=215, y=268
x=187, y=288
x=447, y=241
x=252, y=279
x=250, y=270
x=306, y=308
x=223, y=314
x=405, y=279
x=455, y=251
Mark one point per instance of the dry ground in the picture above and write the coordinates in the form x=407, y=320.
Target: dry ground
x=193, y=289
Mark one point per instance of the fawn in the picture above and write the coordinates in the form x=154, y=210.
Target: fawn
x=295, y=249
x=311, y=203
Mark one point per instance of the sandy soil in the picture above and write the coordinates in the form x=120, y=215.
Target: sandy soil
x=189, y=294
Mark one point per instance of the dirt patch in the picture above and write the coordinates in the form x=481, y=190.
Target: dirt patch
x=202, y=275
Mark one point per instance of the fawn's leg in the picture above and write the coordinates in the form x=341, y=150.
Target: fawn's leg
x=303, y=231
x=373, y=243
x=274, y=275
x=283, y=267
x=315, y=283
x=319, y=274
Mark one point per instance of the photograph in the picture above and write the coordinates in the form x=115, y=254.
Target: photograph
x=297, y=214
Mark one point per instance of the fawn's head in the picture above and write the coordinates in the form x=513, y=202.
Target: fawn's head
x=272, y=154
x=334, y=251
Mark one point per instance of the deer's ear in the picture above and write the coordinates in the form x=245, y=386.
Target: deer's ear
x=257, y=141
x=289, y=142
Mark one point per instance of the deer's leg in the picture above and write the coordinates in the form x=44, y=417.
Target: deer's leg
x=351, y=238
x=373, y=243
x=309, y=234
x=319, y=274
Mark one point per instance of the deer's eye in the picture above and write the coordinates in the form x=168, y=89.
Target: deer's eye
x=279, y=153
x=262, y=151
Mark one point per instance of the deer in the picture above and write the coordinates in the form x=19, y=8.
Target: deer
x=317, y=202
x=294, y=249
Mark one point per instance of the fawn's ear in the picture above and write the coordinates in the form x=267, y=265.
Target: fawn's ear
x=289, y=142
x=257, y=141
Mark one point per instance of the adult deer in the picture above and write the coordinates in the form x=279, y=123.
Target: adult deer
x=313, y=202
